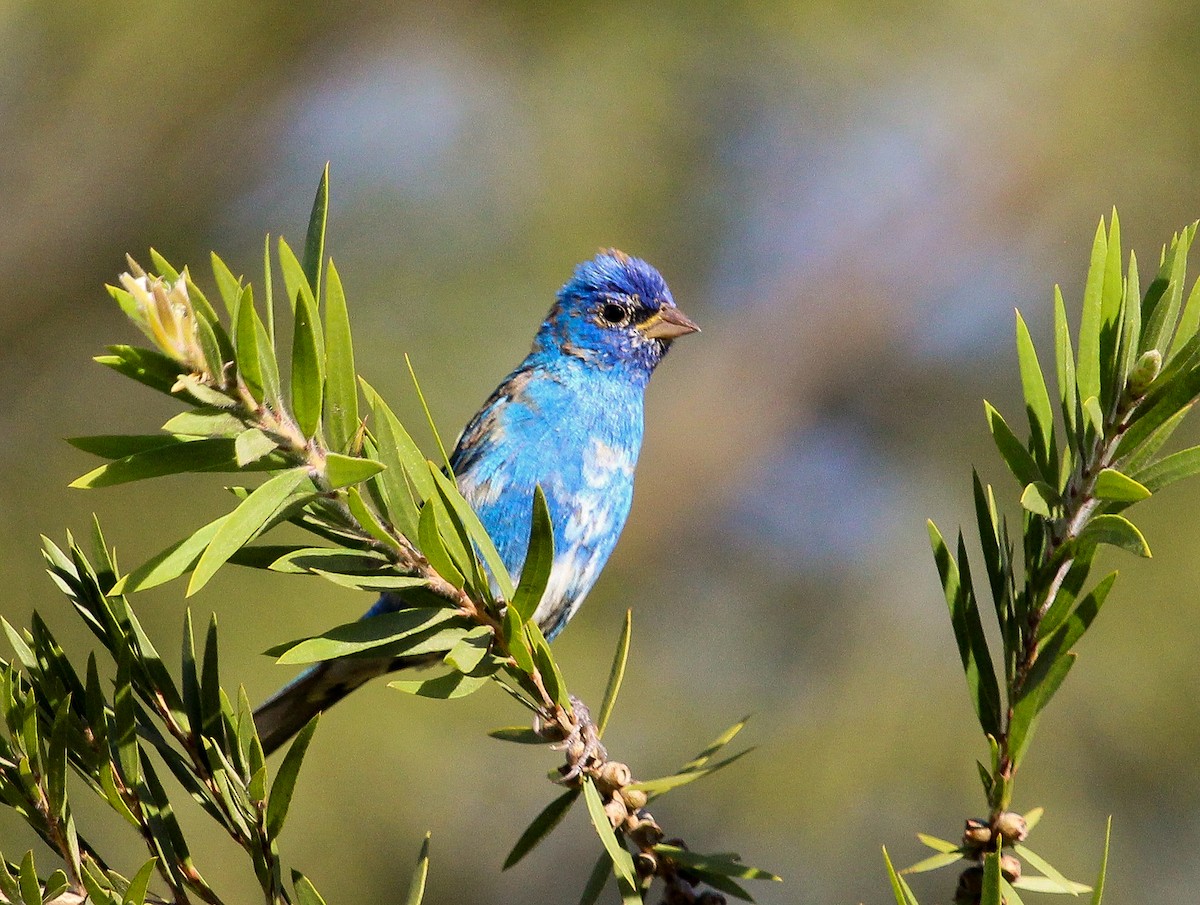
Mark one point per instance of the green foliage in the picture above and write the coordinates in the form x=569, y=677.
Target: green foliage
x=1122, y=393
x=385, y=519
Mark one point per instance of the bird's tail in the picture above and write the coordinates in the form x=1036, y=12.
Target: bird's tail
x=288, y=710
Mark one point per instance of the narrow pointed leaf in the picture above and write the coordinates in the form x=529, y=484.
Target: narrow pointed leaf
x=308, y=368
x=541, y=826
x=1037, y=399
x=428, y=415
x=1170, y=469
x=615, y=675
x=1065, y=360
x=366, y=634
x=178, y=559
x=483, y=542
x=306, y=893
x=341, y=382
x=314, y=240
x=622, y=862
x=539, y=558
x=968, y=631
x=343, y=471
x=1088, y=375
x=416, y=886
x=244, y=522
x=280, y=798
x=295, y=280
x=992, y=878
x=1098, y=894
x=900, y=890
x=934, y=862
x=171, y=457
x=1038, y=863
x=229, y=286
x=664, y=784
x=434, y=547
x=596, y=881
x=938, y=845
x=1012, y=450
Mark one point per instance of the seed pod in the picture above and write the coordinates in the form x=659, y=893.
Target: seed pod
x=635, y=798
x=613, y=775
x=616, y=811
x=646, y=864
x=970, y=886
x=647, y=833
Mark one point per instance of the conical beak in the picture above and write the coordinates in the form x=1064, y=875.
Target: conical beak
x=668, y=323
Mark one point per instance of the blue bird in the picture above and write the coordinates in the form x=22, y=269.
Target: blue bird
x=568, y=418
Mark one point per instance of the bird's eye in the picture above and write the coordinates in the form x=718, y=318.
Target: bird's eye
x=614, y=314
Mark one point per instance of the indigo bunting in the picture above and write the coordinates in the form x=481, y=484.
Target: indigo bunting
x=568, y=418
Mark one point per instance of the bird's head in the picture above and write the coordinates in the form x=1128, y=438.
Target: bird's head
x=615, y=312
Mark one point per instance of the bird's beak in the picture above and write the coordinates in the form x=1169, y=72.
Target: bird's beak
x=668, y=323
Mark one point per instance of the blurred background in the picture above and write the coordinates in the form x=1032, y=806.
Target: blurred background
x=850, y=197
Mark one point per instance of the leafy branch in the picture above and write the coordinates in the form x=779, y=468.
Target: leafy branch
x=388, y=521
x=1122, y=392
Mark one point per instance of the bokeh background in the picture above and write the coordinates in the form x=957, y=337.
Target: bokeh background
x=851, y=197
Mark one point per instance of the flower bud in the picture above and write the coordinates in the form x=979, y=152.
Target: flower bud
x=1145, y=371
x=976, y=833
x=164, y=312
x=1011, y=868
x=1012, y=827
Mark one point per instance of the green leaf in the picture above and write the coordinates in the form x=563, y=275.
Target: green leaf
x=1041, y=499
x=146, y=366
x=306, y=893
x=56, y=885
x=539, y=560
x=556, y=686
x=1093, y=415
x=177, y=559
x=295, y=280
x=229, y=286
x=433, y=546
x=968, y=632
x=474, y=527
x=992, y=879
x=900, y=889
x=140, y=884
x=1131, y=316
x=1110, y=314
x=284, y=785
x=1012, y=450
x=251, y=445
x=341, y=383
x=468, y=653
x=244, y=523
x=540, y=828
x=314, y=240
x=445, y=687
x=1088, y=375
x=1038, y=863
x=661, y=786
x=615, y=675
x=364, y=635
x=1098, y=894
x=1037, y=400
x=343, y=471
x=428, y=415
x=201, y=422
x=124, y=722
x=1160, y=407
x=308, y=367
x=31, y=888
x=1169, y=469
x=1112, y=485
x=1115, y=530
x=1189, y=321
x=256, y=358
x=714, y=746
x=1031, y=701
x=622, y=862
x=938, y=845
x=376, y=582
x=1032, y=883
x=173, y=456
x=722, y=864
x=1065, y=360
x=416, y=886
